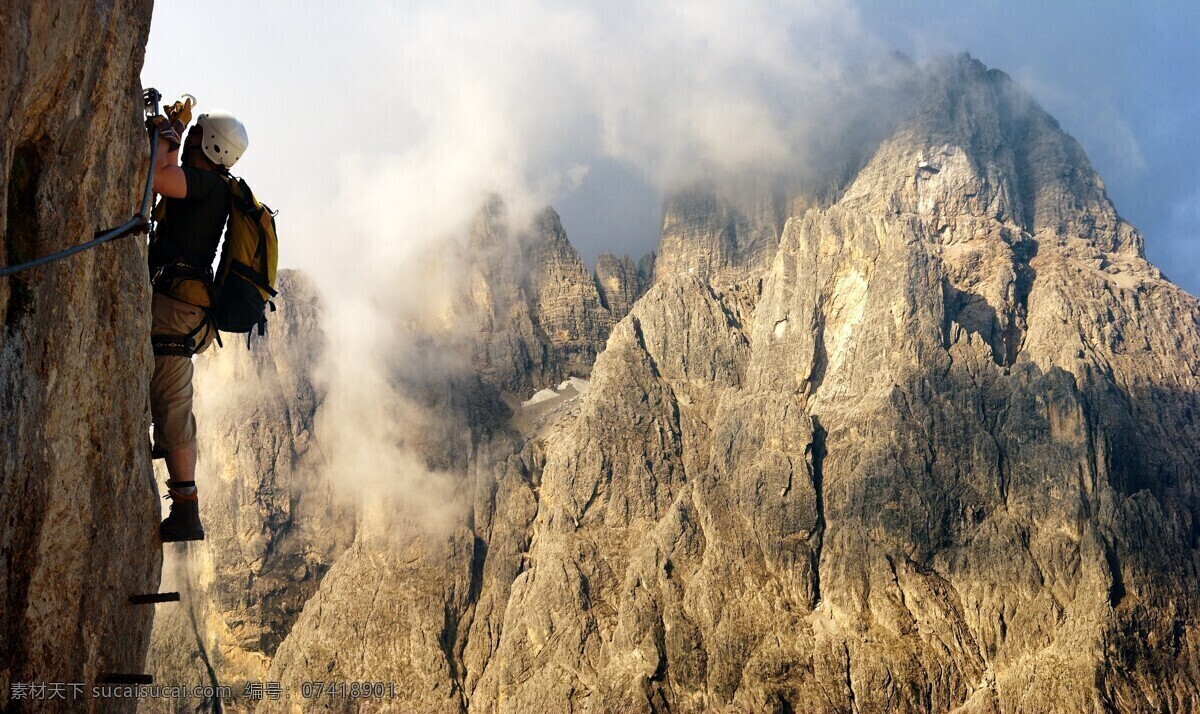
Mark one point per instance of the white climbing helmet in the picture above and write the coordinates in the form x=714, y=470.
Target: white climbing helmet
x=222, y=137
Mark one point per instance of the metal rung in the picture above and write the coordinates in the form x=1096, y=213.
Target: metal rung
x=123, y=678
x=153, y=598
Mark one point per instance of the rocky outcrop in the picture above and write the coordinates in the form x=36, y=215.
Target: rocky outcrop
x=565, y=300
x=78, y=508
x=946, y=463
x=718, y=238
x=506, y=350
x=539, y=315
x=621, y=282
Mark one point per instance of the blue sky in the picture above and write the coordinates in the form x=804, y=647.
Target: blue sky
x=399, y=112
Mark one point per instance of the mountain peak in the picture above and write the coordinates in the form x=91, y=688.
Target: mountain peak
x=978, y=144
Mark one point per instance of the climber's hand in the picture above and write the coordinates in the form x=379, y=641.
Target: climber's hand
x=181, y=111
x=171, y=131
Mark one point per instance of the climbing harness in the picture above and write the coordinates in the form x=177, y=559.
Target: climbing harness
x=140, y=223
x=173, y=345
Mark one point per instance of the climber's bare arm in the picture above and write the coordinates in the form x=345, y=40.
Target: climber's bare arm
x=169, y=180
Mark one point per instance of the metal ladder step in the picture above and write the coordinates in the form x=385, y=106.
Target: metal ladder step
x=151, y=598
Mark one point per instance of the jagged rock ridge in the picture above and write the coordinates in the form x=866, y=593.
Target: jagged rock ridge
x=946, y=463
x=718, y=239
x=542, y=316
x=621, y=282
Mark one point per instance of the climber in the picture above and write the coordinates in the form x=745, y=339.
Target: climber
x=191, y=216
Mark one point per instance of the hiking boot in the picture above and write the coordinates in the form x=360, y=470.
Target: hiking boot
x=184, y=521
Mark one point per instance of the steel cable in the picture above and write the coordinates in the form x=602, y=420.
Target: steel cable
x=140, y=222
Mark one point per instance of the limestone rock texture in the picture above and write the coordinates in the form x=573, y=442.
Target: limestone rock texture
x=78, y=508
x=621, y=281
x=273, y=523
x=507, y=350
x=538, y=314
x=719, y=238
x=566, y=300
x=930, y=445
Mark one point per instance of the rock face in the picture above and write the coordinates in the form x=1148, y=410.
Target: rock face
x=621, y=282
x=930, y=447
x=539, y=313
x=716, y=238
x=947, y=462
x=507, y=351
x=78, y=508
x=566, y=301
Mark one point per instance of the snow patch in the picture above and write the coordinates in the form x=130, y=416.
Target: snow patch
x=568, y=389
x=540, y=396
x=581, y=385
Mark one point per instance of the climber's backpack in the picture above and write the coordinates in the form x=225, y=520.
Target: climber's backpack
x=245, y=279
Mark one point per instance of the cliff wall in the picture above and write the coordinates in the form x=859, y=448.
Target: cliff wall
x=78, y=508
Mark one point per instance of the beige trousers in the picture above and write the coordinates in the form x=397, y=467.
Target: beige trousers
x=171, y=385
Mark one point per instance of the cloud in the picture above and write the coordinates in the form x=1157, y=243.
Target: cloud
x=382, y=131
x=522, y=98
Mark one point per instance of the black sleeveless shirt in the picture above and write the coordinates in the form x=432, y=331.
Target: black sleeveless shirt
x=193, y=225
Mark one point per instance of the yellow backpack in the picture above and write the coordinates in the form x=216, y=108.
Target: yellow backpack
x=245, y=279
